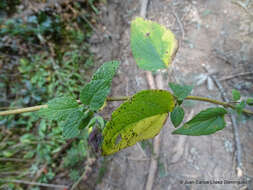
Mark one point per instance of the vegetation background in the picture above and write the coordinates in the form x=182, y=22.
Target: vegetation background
x=52, y=47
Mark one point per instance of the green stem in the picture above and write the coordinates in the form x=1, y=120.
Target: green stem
x=22, y=110
x=36, y=108
x=118, y=98
x=224, y=104
x=123, y=98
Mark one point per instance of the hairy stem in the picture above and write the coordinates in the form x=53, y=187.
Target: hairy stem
x=118, y=98
x=224, y=104
x=123, y=98
x=22, y=110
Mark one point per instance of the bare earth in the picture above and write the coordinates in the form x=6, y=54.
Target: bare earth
x=216, y=33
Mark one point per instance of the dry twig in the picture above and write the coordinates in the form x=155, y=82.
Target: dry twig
x=156, y=142
x=236, y=75
x=181, y=26
x=179, y=148
x=235, y=128
x=156, y=145
x=138, y=159
x=85, y=174
x=144, y=6
x=243, y=5
x=40, y=171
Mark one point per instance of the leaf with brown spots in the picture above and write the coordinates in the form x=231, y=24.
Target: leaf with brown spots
x=137, y=119
x=153, y=45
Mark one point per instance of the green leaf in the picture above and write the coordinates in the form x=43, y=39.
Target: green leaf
x=153, y=46
x=249, y=101
x=87, y=116
x=236, y=95
x=71, y=124
x=98, y=119
x=27, y=139
x=29, y=154
x=180, y=91
x=177, y=116
x=95, y=92
x=204, y=123
x=9, y=153
x=239, y=107
x=66, y=110
x=137, y=119
x=59, y=108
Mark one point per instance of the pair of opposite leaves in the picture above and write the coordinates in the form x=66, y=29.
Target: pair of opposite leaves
x=143, y=115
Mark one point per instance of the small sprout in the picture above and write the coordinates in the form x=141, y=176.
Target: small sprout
x=95, y=139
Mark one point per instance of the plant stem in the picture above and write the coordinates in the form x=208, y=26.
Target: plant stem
x=22, y=110
x=123, y=98
x=224, y=104
x=36, y=108
x=118, y=98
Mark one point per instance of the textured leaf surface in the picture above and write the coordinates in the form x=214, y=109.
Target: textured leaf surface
x=59, y=108
x=66, y=110
x=96, y=91
x=180, y=91
x=98, y=119
x=177, y=116
x=204, y=123
x=153, y=46
x=139, y=118
x=71, y=124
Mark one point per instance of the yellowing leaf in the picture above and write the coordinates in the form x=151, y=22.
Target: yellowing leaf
x=153, y=45
x=139, y=118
